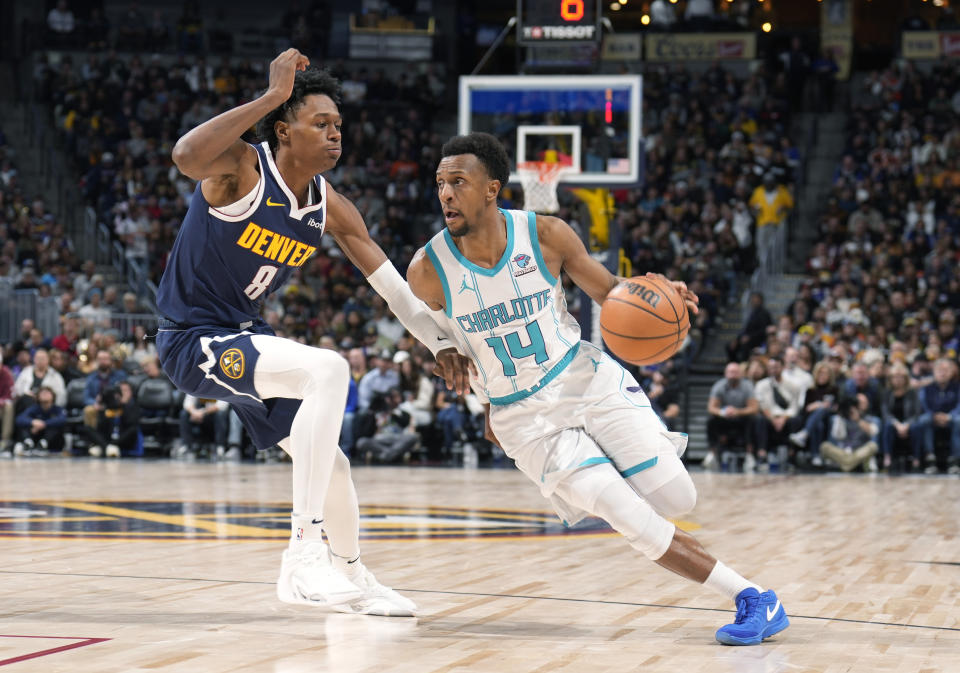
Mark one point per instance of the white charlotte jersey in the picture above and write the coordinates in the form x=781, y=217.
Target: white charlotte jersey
x=511, y=319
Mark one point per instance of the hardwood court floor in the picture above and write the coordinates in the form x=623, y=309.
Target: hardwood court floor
x=173, y=565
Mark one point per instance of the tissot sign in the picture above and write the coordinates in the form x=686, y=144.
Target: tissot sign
x=558, y=21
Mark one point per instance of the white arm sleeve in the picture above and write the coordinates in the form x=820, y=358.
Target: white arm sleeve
x=413, y=313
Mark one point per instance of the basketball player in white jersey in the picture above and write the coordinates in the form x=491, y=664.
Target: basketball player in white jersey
x=572, y=418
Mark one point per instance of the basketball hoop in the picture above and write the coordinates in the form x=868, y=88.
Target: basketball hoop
x=539, y=180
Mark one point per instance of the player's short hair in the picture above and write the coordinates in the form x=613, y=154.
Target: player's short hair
x=487, y=148
x=312, y=81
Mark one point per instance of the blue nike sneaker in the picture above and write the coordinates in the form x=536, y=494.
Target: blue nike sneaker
x=759, y=616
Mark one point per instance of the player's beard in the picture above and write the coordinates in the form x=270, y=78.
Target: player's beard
x=463, y=230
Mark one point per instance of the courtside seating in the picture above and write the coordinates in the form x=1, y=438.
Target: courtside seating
x=156, y=399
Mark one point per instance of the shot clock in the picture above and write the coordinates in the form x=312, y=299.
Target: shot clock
x=558, y=21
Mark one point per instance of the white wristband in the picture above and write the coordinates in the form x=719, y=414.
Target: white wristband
x=410, y=311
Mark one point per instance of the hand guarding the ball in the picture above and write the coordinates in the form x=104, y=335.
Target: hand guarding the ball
x=689, y=298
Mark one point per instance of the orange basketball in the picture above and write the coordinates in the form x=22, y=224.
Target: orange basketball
x=644, y=320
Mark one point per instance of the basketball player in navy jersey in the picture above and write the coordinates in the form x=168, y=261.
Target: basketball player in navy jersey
x=575, y=421
x=258, y=212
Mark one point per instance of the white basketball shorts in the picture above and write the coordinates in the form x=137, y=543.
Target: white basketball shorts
x=592, y=413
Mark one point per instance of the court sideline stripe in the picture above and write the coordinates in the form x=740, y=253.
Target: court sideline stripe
x=479, y=594
x=53, y=650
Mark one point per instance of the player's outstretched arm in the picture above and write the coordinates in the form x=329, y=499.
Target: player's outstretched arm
x=214, y=152
x=346, y=225
x=562, y=248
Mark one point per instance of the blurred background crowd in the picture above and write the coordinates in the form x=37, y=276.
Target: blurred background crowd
x=856, y=370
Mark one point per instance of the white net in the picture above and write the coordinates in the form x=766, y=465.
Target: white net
x=539, y=180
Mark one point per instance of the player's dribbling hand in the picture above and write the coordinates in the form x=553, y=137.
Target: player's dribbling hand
x=454, y=369
x=689, y=298
x=283, y=69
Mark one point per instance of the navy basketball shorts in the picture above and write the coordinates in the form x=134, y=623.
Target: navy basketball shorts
x=218, y=363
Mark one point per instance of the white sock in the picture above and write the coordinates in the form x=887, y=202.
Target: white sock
x=305, y=528
x=342, y=512
x=348, y=566
x=728, y=582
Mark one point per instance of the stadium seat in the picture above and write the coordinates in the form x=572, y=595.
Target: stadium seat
x=135, y=380
x=155, y=398
x=74, y=410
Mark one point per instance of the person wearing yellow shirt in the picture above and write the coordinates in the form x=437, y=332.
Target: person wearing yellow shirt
x=771, y=203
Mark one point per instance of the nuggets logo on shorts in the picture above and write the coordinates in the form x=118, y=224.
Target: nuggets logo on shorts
x=231, y=363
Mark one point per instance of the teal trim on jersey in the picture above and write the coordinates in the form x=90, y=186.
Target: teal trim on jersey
x=479, y=269
x=640, y=467
x=537, y=255
x=473, y=354
x=476, y=292
x=547, y=378
x=596, y=460
x=556, y=325
x=432, y=256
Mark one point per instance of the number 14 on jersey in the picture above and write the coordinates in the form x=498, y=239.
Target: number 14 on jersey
x=508, y=348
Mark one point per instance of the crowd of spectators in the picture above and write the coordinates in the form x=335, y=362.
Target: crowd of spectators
x=719, y=161
x=874, y=327
x=135, y=28
x=720, y=165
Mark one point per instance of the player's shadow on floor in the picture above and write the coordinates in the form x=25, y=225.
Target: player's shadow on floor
x=502, y=629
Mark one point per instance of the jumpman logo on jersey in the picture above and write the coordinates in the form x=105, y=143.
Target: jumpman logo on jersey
x=596, y=364
x=464, y=286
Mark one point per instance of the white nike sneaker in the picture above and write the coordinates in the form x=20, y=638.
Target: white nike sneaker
x=377, y=599
x=308, y=578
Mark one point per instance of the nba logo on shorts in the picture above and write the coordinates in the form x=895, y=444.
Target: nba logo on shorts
x=231, y=363
x=299, y=533
x=523, y=264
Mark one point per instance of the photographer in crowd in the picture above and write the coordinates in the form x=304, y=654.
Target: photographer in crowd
x=118, y=423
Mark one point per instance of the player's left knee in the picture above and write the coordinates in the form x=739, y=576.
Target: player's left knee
x=675, y=498
x=327, y=366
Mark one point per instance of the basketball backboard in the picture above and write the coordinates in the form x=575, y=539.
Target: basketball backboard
x=592, y=121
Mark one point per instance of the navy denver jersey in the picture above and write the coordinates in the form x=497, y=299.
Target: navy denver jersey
x=222, y=266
